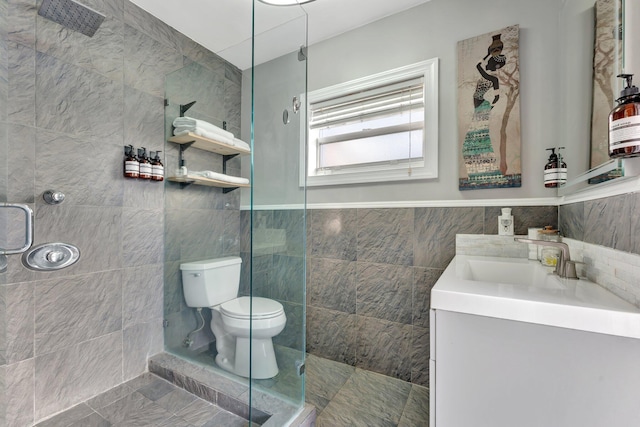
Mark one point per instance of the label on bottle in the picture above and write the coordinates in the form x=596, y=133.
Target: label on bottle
x=551, y=176
x=624, y=132
x=145, y=170
x=131, y=168
x=157, y=172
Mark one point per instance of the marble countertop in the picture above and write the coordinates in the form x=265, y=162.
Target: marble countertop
x=574, y=304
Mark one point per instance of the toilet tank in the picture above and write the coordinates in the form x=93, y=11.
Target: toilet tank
x=211, y=282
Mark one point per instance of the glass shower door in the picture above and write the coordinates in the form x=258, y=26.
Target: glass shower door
x=275, y=225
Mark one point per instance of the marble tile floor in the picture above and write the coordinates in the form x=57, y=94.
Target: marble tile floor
x=345, y=396
x=147, y=401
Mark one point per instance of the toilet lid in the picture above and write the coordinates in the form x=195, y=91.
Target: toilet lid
x=239, y=308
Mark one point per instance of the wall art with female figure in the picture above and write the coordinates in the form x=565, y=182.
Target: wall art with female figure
x=489, y=110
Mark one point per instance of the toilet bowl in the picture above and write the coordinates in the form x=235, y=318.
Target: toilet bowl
x=243, y=326
x=248, y=333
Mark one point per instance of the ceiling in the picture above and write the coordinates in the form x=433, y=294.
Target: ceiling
x=224, y=26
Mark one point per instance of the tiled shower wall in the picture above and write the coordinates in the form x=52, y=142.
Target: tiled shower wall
x=369, y=274
x=68, y=104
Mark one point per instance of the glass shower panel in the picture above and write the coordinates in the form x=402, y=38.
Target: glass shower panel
x=4, y=184
x=202, y=221
x=277, y=215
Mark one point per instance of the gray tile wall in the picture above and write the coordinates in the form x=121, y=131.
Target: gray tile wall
x=278, y=266
x=3, y=192
x=68, y=103
x=610, y=222
x=369, y=276
x=601, y=224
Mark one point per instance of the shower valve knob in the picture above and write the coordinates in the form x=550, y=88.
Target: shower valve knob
x=53, y=197
x=55, y=256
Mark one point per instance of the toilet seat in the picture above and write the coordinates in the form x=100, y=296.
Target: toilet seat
x=240, y=308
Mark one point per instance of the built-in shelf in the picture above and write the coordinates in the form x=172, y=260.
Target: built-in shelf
x=200, y=180
x=196, y=141
x=207, y=144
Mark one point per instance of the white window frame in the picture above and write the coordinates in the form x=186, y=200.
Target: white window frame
x=422, y=169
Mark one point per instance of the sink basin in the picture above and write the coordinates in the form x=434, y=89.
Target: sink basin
x=512, y=271
x=524, y=290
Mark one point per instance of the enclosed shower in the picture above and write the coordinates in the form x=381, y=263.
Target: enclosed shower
x=79, y=81
x=242, y=212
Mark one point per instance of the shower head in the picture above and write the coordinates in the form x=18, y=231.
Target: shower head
x=72, y=15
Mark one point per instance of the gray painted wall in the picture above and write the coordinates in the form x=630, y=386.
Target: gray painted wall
x=550, y=62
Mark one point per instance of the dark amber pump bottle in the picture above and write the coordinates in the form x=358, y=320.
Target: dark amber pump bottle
x=624, y=122
x=157, y=168
x=551, y=172
x=145, y=164
x=131, y=164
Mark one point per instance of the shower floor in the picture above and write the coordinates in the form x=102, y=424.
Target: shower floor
x=147, y=400
x=344, y=396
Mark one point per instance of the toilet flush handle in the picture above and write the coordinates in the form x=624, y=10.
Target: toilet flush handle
x=195, y=274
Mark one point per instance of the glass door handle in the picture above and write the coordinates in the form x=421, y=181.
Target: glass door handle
x=28, y=233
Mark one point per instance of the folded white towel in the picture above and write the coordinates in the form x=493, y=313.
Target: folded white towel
x=241, y=144
x=193, y=124
x=221, y=177
x=198, y=131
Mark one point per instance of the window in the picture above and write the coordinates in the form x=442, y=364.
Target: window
x=378, y=128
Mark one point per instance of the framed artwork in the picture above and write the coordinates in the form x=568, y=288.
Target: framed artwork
x=489, y=110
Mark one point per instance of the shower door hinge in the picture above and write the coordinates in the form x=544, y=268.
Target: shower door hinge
x=300, y=367
x=302, y=53
x=165, y=323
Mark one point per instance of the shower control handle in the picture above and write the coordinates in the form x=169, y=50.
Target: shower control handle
x=55, y=256
x=28, y=232
x=53, y=197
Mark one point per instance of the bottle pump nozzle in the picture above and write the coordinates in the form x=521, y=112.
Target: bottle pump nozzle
x=629, y=89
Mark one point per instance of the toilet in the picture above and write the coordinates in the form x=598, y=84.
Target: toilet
x=238, y=323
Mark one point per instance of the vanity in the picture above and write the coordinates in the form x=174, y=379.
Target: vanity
x=513, y=344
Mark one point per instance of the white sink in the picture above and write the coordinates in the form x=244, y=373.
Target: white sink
x=523, y=290
x=511, y=271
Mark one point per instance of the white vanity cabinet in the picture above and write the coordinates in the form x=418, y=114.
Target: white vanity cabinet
x=489, y=370
x=499, y=373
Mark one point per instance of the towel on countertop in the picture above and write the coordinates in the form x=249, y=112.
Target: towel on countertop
x=221, y=177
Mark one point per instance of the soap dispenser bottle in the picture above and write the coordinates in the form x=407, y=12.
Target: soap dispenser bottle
x=624, y=122
x=157, y=168
x=551, y=170
x=145, y=165
x=131, y=164
x=505, y=223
